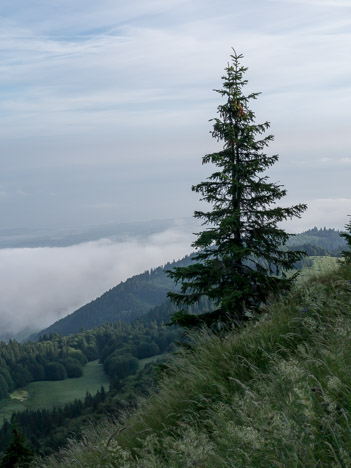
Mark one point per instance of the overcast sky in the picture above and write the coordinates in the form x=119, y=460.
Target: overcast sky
x=105, y=106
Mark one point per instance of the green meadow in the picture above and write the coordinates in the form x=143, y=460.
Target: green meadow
x=320, y=266
x=47, y=394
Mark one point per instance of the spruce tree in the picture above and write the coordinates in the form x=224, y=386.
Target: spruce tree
x=17, y=454
x=240, y=257
x=347, y=237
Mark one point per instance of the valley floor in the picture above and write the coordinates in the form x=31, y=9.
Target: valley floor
x=47, y=394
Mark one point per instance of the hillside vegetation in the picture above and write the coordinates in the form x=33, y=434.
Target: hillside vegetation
x=277, y=393
x=45, y=394
x=124, y=350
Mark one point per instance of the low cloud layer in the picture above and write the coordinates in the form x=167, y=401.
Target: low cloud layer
x=321, y=212
x=328, y=212
x=40, y=285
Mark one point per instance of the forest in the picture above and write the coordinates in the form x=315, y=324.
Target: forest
x=119, y=347
x=125, y=302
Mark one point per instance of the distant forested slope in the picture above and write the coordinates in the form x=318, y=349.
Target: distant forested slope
x=142, y=293
x=125, y=302
x=319, y=242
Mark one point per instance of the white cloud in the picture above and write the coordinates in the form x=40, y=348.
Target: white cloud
x=40, y=285
x=319, y=3
x=328, y=162
x=345, y=160
x=322, y=212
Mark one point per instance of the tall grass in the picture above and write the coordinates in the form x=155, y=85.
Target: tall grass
x=275, y=394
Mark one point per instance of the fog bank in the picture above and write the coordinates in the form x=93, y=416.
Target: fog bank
x=40, y=285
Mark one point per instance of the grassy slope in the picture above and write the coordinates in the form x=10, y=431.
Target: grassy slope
x=320, y=266
x=277, y=394
x=158, y=357
x=48, y=394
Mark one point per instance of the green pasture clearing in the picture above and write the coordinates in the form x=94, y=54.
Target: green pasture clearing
x=46, y=394
x=320, y=266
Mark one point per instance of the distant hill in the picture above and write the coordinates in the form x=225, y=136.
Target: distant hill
x=328, y=241
x=145, y=294
x=162, y=313
x=125, y=302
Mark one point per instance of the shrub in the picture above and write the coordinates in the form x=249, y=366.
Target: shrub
x=147, y=350
x=121, y=366
x=55, y=371
x=73, y=367
x=76, y=354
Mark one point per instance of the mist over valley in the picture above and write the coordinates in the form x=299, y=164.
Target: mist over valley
x=39, y=285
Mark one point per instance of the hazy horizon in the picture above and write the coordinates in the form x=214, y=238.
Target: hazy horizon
x=40, y=285
x=43, y=283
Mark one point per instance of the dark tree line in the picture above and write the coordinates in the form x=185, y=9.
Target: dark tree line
x=56, y=358
x=119, y=347
x=44, y=428
x=51, y=359
x=47, y=430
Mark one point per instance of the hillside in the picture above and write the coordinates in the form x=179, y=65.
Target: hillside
x=326, y=240
x=138, y=295
x=125, y=302
x=277, y=393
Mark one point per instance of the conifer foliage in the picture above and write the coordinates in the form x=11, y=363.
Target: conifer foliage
x=347, y=236
x=17, y=453
x=239, y=258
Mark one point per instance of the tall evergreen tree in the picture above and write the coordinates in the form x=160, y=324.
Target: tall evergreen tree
x=347, y=236
x=240, y=259
x=17, y=454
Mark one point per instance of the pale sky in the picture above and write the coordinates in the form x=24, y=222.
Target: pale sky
x=105, y=105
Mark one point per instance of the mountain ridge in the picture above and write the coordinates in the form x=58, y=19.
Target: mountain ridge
x=125, y=302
